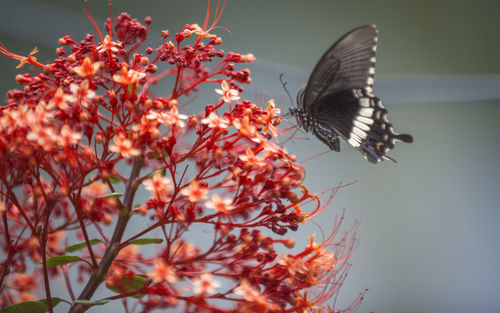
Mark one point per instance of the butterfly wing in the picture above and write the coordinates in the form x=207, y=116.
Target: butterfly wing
x=349, y=63
x=361, y=119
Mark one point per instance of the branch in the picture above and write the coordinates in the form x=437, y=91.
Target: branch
x=112, y=249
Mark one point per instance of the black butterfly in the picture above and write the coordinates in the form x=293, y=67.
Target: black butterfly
x=338, y=98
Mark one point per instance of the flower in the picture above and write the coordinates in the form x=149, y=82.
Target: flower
x=159, y=186
x=25, y=286
x=128, y=77
x=108, y=45
x=244, y=126
x=292, y=264
x=60, y=99
x=170, y=117
x=95, y=189
x=252, y=295
x=195, y=28
x=205, y=284
x=29, y=59
x=87, y=68
x=252, y=160
x=227, y=94
x=45, y=137
x=195, y=191
x=81, y=92
x=271, y=109
x=219, y=204
x=124, y=146
x=163, y=271
x=214, y=121
x=23, y=60
x=68, y=136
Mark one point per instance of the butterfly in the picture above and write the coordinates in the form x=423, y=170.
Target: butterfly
x=338, y=99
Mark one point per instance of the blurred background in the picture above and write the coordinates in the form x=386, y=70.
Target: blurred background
x=429, y=234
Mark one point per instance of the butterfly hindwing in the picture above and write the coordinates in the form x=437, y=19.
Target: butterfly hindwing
x=361, y=119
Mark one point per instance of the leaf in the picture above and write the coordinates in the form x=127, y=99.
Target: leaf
x=162, y=172
x=112, y=195
x=114, y=179
x=91, y=303
x=128, y=284
x=55, y=301
x=39, y=306
x=81, y=245
x=24, y=307
x=146, y=241
x=62, y=259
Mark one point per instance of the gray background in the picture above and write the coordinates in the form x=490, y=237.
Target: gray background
x=429, y=240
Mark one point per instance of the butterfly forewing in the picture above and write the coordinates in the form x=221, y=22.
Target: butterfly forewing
x=348, y=63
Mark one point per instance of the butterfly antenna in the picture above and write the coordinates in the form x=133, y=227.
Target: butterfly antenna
x=284, y=87
x=283, y=83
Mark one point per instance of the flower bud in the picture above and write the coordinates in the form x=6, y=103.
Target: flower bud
x=247, y=58
x=71, y=58
x=169, y=45
x=285, y=182
x=60, y=51
x=23, y=79
x=172, y=103
x=186, y=33
x=84, y=116
x=98, y=137
x=289, y=243
x=193, y=120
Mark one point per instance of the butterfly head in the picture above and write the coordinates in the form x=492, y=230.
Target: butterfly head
x=300, y=114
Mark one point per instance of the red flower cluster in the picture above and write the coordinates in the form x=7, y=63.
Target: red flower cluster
x=64, y=137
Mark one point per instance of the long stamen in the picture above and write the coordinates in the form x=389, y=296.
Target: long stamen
x=89, y=15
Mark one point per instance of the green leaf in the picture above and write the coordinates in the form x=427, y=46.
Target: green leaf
x=146, y=241
x=25, y=307
x=62, y=259
x=114, y=179
x=91, y=303
x=112, y=195
x=39, y=306
x=128, y=284
x=82, y=245
x=162, y=172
